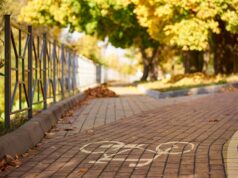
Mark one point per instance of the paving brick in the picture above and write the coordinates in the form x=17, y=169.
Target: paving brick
x=183, y=139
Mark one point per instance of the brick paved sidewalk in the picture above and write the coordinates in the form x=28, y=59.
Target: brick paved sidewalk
x=102, y=111
x=189, y=139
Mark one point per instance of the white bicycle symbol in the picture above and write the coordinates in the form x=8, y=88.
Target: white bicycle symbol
x=110, y=149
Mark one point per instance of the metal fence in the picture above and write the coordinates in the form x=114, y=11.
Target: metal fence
x=39, y=71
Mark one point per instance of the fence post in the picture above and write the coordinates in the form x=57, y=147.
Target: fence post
x=7, y=78
x=62, y=70
x=99, y=73
x=44, y=70
x=54, y=71
x=30, y=72
x=73, y=72
x=69, y=70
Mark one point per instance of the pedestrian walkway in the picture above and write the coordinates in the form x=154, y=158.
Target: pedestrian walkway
x=138, y=136
x=102, y=111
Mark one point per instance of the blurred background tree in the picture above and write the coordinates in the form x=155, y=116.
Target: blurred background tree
x=195, y=27
x=170, y=36
x=113, y=20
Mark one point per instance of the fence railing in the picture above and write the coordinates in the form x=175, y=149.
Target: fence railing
x=39, y=71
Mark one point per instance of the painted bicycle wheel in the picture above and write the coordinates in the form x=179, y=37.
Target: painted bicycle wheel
x=174, y=147
x=102, y=147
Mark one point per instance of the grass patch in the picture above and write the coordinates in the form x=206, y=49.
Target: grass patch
x=188, y=81
x=15, y=123
x=173, y=88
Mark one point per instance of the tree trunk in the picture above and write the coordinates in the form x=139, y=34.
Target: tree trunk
x=223, y=51
x=193, y=61
x=186, y=62
x=206, y=59
x=235, y=66
x=219, y=52
x=146, y=66
x=153, y=65
x=232, y=48
x=199, y=61
x=153, y=71
x=149, y=65
x=146, y=70
x=223, y=57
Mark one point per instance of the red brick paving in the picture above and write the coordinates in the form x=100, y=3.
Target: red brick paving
x=207, y=123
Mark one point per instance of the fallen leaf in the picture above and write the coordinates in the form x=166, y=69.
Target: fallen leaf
x=55, y=130
x=99, y=92
x=2, y=163
x=213, y=120
x=82, y=170
x=8, y=158
x=32, y=151
x=49, y=135
x=68, y=113
x=70, y=122
x=90, y=132
x=15, y=163
x=69, y=129
x=25, y=154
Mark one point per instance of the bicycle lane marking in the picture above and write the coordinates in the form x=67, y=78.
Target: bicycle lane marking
x=115, y=146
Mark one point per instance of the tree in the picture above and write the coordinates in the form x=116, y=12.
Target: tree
x=112, y=19
x=88, y=47
x=194, y=25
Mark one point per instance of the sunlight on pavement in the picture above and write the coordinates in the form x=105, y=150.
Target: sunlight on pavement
x=129, y=90
x=230, y=156
x=122, y=88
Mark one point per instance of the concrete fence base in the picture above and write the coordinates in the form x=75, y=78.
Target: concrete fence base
x=32, y=132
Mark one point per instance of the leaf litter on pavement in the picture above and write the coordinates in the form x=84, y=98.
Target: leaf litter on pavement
x=91, y=93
